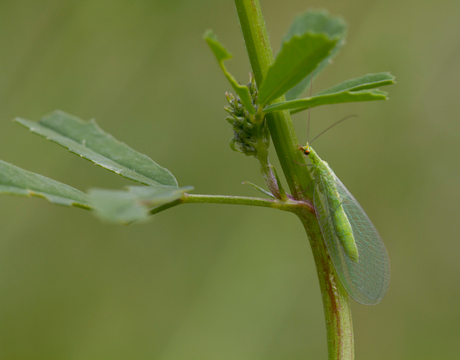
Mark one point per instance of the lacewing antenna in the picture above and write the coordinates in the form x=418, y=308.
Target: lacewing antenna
x=330, y=127
x=309, y=109
x=309, y=112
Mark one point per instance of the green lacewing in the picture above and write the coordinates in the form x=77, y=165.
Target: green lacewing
x=354, y=245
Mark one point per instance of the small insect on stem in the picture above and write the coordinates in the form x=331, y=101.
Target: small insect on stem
x=325, y=184
x=356, y=249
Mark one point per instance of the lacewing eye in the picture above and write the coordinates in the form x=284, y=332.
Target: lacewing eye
x=304, y=150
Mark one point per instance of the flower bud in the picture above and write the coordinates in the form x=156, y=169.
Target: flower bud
x=247, y=136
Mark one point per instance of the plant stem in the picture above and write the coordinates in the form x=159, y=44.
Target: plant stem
x=335, y=299
x=166, y=206
x=267, y=172
x=233, y=200
x=288, y=205
x=281, y=128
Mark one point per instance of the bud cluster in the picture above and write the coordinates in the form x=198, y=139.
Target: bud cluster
x=248, y=135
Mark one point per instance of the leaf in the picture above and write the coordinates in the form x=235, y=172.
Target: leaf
x=298, y=57
x=88, y=140
x=133, y=204
x=328, y=99
x=221, y=54
x=317, y=21
x=369, y=81
x=17, y=181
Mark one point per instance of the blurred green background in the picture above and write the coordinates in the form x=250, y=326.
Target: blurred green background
x=209, y=281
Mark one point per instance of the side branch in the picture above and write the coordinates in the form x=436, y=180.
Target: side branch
x=290, y=205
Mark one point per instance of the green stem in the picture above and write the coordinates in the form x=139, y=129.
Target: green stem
x=233, y=200
x=335, y=299
x=337, y=311
x=166, y=206
x=288, y=205
x=281, y=128
x=267, y=171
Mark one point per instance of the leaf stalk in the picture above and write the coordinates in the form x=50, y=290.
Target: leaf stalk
x=290, y=205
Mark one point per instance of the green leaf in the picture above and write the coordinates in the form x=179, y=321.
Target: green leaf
x=317, y=21
x=88, y=140
x=328, y=99
x=298, y=57
x=221, y=54
x=134, y=204
x=17, y=181
x=369, y=81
